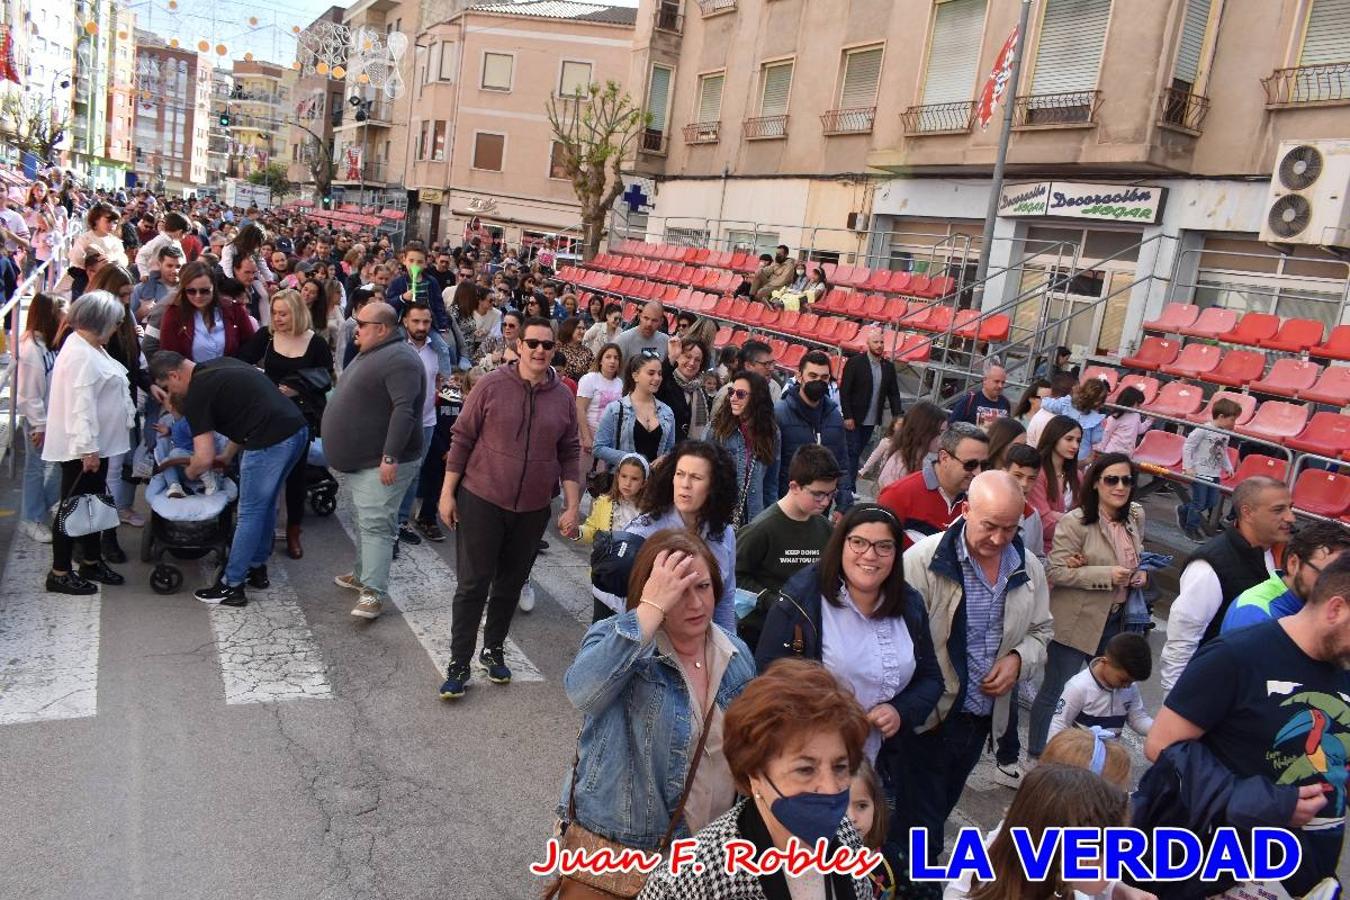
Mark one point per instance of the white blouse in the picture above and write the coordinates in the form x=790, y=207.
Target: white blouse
x=89, y=409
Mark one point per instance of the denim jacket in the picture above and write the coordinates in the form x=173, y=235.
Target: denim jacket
x=723, y=549
x=638, y=731
x=612, y=447
x=761, y=488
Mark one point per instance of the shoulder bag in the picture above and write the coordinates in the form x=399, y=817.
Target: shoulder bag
x=83, y=514
x=599, y=482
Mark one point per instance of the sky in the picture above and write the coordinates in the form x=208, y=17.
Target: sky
x=228, y=22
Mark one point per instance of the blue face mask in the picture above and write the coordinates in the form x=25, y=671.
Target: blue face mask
x=810, y=816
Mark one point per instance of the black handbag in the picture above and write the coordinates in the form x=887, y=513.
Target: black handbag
x=599, y=483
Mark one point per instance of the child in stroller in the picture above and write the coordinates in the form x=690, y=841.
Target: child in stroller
x=173, y=450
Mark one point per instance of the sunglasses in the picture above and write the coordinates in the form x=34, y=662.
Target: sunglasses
x=198, y=292
x=738, y=394
x=1113, y=480
x=650, y=353
x=536, y=343
x=361, y=323
x=970, y=465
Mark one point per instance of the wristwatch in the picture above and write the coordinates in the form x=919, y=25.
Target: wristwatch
x=389, y=460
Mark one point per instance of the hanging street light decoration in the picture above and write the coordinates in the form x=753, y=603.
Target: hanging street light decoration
x=364, y=54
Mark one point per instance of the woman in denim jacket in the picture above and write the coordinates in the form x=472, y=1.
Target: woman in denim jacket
x=745, y=427
x=638, y=422
x=645, y=681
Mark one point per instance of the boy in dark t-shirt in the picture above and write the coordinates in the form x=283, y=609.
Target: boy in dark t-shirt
x=1273, y=700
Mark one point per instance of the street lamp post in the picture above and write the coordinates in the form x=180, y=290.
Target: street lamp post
x=362, y=107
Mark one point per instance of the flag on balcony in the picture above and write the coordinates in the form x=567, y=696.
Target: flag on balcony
x=7, y=70
x=353, y=163
x=997, y=84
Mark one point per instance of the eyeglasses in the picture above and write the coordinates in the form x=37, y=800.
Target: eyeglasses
x=860, y=545
x=1113, y=480
x=970, y=465
x=738, y=394
x=536, y=343
x=362, y=324
x=766, y=361
x=198, y=292
x=827, y=497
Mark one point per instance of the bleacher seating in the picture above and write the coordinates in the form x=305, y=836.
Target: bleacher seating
x=1159, y=449
x=1246, y=401
x=1327, y=434
x=1295, y=336
x=1254, y=464
x=1322, y=492
x=1174, y=318
x=1287, y=377
x=1194, y=361
x=1238, y=368
x=1336, y=346
x=1177, y=400
x=1153, y=354
x=1276, y=421
x=1332, y=387
x=1252, y=329
x=1212, y=322
x=1147, y=386
x=1111, y=375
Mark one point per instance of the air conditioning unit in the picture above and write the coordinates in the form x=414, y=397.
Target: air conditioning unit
x=1309, y=199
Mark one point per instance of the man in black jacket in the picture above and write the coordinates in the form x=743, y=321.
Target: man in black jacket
x=868, y=385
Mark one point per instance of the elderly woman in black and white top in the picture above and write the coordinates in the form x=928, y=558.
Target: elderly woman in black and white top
x=89, y=419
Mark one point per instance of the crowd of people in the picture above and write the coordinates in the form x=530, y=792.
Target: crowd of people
x=771, y=655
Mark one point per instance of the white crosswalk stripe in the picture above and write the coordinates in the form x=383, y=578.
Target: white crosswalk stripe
x=49, y=643
x=266, y=650
x=421, y=585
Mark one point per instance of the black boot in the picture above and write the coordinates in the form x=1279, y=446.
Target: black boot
x=112, y=550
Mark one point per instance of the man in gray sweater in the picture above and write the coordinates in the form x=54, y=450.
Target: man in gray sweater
x=372, y=430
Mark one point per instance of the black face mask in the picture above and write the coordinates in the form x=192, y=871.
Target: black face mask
x=814, y=391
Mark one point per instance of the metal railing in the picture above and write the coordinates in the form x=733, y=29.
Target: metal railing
x=702, y=132
x=939, y=118
x=669, y=18
x=1327, y=83
x=763, y=127
x=857, y=120
x=1182, y=109
x=653, y=141
x=709, y=7
x=1068, y=108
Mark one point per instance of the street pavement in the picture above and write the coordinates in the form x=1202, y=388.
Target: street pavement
x=152, y=746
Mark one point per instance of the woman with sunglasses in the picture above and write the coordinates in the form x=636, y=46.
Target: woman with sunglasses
x=853, y=612
x=101, y=237
x=637, y=422
x=1093, y=564
x=745, y=427
x=1053, y=492
x=197, y=323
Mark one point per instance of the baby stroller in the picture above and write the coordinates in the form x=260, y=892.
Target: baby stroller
x=186, y=528
x=320, y=486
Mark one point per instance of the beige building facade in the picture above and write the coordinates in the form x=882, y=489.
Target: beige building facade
x=850, y=131
x=315, y=103
x=259, y=105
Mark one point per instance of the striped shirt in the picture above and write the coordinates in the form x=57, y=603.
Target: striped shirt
x=984, y=621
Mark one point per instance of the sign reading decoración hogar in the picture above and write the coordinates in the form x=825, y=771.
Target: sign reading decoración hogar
x=1140, y=203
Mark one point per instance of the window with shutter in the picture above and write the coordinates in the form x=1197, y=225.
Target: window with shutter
x=1192, y=43
x=449, y=61
x=954, y=52
x=862, y=71
x=575, y=80
x=775, y=85
x=1327, y=39
x=1069, y=52
x=710, y=97
x=488, y=150
x=658, y=98
x=497, y=71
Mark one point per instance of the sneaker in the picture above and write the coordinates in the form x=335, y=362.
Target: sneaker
x=369, y=606
x=224, y=594
x=543, y=545
x=36, y=531
x=1010, y=775
x=456, y=680
x=70, y=583
x=176, y=491
x=131, y=517
x=99, y=571
x=406, y=535
x=210, y=483
x=495, y=663
x=257, y=578
x=527, y=598
x=430, y=530
x=349, y=582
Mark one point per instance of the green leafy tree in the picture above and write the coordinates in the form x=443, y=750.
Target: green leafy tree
x=596, y=131
x=273, y=177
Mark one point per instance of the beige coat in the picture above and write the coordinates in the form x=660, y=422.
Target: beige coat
x=1081, y=598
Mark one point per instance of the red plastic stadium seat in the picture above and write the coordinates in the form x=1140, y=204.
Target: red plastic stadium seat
x=1295, y=336
x=1258, y=464
x=939, y=320
x=1175, y=317
x=1287, y=377
x=894, y=310
x=995, y=328
x=1327, y=434
x=1336, y=346
x=1332, y=387
x=921, y=286
x=1246, y=401
x=1194, y=361
x=723, y=336
x=877, y=280
x=1323, y=493
x=825, y=331
x=1143, y=383
x=1238, y=368
x=857, y=303
x=848, y=330
x=835, y=301
x=1110, y=374
x=1252, y=329
x=1153, y=352
x=941, y=286
x=739, y=309
x=739, y=337
x=793, y=356
x=788, y=321
x=1177, y=399
x=875, y=308
x=967, y=324
x=1212, y=322
x=899, y=283
x=1277, y=421
x=917, y=348
x=1159, y=449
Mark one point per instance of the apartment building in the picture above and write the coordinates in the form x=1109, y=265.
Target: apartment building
x=217, y=136
x=120, y=148
x=91, y=67
x=259, y=106
x=480, y=143
x=850, y=131
x=171, y=115
x=316, y=102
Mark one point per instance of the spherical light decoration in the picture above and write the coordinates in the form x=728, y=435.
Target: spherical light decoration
x=296, y=65
x=203, y=46
x=173, y=4
x=122, y=35
x=173, y=42
x=295, y=29
x=91, y=27
x=221, y=50
x=253, y=21
x=321, y=68
x=248, y=57
x=339, y=73
x=363, y=78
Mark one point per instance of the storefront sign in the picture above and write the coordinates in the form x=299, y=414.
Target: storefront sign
x=433, y=196
x=1077, y=200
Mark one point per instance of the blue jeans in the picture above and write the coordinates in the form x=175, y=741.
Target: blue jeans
x=41, y=483
x=1062, y=662
x=261, y=476
x=929, y=773
x=1204, y=496
x=856, y=442
x=375, y=510
x=405, y=508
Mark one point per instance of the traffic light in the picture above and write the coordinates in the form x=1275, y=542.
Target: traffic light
x=327, y=201
x=225, y=120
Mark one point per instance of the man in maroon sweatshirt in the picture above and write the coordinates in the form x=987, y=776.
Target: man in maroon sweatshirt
x=515, y=439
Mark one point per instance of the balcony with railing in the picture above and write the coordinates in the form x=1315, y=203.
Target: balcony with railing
x=765, y=128
x=938, y=118
x=653, y=140
x=1064, y=110
x=1328, y=83
x=702, y=132
x=371, y=171
x=713, y=7
x=668, y=17
x=1182, y=110
x=857, y=120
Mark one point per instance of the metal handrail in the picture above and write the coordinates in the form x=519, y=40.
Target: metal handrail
x=1297, y=466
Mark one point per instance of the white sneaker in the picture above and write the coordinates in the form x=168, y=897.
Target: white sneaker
x=369, y=606
x=209, y=483
x=176, y=491
x=1009, y=776
x=36, y=531
x=527, y=597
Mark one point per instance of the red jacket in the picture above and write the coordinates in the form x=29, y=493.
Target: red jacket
x=176, y=330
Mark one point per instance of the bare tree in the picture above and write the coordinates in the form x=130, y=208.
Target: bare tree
x=28, y=122
x=320, y=161
x=596, y=131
